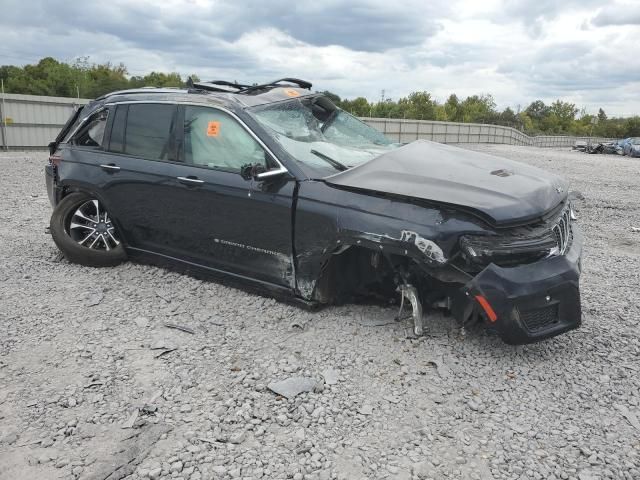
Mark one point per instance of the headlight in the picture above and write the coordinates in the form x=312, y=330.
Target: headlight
x=505, y=251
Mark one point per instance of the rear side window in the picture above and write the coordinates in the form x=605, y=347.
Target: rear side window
x=214, y=139
x=92, y=132
x=149, y=131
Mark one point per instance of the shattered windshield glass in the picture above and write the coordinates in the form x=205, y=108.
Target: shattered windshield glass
x=320, y=135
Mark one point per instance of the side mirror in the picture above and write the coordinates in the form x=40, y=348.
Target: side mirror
x=251, y=170
x=263, y=174
x=267, y=174
x=259, y=172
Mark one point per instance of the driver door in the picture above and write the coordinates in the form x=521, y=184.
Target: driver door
x=221, y=218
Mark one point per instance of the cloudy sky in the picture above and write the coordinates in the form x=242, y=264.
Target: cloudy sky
x=584, y=51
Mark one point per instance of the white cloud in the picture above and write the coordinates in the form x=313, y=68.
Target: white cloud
x=516, y=50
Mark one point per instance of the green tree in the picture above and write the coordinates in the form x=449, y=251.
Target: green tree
x=157, y=79
x=360, y=106
x=387, y=109
x=564, y=113
x=508, y=118
x=601, y=115
x=418, y=105
x=526, y=121
x=452, y=108
x=52, y=77
x=537, y=110
x=478, y=108
x=106, y=78
x=632, y=127
x=441, y=113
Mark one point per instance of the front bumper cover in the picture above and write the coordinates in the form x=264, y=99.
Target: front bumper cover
x=531, y=302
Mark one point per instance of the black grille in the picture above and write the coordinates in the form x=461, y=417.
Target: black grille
x=539, y=318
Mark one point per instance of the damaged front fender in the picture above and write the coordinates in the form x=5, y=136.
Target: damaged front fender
x=426, y=236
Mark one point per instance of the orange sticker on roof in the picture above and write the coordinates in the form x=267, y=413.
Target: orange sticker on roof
x=213, y=129
x=291, y=92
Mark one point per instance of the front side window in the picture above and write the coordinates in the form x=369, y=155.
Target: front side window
x=320, y=135
x=214, y=139
x=149, y=131
x=92, y=132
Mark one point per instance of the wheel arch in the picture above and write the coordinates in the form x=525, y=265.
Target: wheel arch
x=70, y=188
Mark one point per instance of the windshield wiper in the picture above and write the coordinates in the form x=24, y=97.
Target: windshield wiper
x=337, y=165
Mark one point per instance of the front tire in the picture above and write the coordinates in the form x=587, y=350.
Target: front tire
x=83, y=230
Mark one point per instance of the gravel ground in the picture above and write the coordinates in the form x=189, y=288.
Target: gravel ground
x=84, y=354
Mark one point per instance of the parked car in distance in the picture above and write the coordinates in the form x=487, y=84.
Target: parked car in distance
x=275, y=187
x=631, y=147
x=580, y=145
x=618, y=146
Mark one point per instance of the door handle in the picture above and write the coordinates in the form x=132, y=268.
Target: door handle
x=193, y=181
x=111, y=167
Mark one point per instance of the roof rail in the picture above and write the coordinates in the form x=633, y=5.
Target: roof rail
x=138, y=90
x=275, y=83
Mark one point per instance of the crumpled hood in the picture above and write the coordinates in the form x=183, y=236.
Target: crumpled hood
x=503, y=190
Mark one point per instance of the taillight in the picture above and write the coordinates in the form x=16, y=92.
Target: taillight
x=55, y=160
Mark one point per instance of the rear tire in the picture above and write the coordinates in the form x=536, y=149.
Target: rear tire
x=84, y=232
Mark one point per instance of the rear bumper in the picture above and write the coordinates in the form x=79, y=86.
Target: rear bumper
x=531, y=302
x=49, y=177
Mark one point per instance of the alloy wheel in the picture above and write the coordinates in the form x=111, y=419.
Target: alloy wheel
x=91, y=227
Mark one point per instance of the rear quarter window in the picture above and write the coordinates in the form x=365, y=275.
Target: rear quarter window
x=91, y=134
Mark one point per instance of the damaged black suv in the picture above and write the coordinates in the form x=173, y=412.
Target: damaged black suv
x=275, y=186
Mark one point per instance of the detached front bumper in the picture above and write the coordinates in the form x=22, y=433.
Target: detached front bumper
x=531, y=302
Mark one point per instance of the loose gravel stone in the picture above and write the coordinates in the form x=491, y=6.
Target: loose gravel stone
x=81, y=348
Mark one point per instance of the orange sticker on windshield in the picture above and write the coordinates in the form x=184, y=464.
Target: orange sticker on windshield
x=291, y=92
x=213, y=129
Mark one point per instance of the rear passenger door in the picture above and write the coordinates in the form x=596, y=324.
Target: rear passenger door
x=141, y=165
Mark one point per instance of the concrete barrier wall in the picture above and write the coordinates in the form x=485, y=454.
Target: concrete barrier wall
x=453, y=132
x=34, y=121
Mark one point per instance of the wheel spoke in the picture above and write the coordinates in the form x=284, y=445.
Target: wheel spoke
x=81, y=242
x=83, y=216
x=94, y=241
x=97, y=205
x=105, y=241
x=77, y=225
x=115, y=240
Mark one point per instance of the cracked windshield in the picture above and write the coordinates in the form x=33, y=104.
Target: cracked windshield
x=321, y=136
